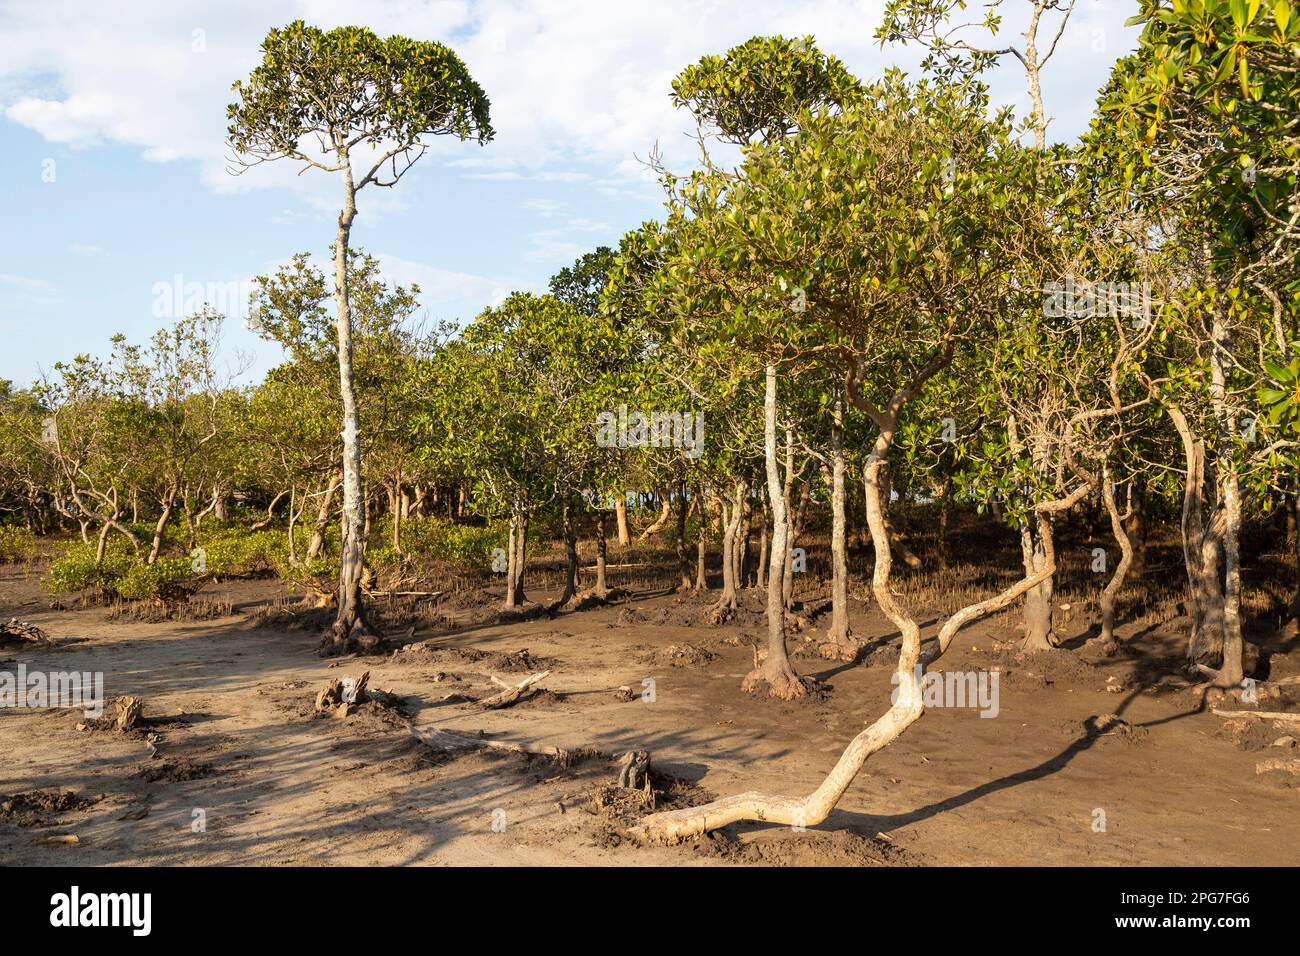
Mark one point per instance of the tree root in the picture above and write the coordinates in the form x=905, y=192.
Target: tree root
x=782, y=684
x=1102, y=646
x=361, y=638
x=845, y=648
x=722, y=612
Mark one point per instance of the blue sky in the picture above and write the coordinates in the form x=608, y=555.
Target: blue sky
x=112, y=155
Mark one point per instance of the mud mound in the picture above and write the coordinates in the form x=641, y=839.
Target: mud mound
x=16, y=633
x=760, y=689
x=679, y=655
x=540, y=699
x=519, y=661
x=691, y=610
x=807, y=848
x=1112, y=725
x=513, y=661
x=618, y=808
x=35, y=807
x=1281, y=772
x=373, y=716
x=1049, y=668
x=176, y=771
x=660, y=616
x=1248, y=733
x=587, y=599
x=878, y=654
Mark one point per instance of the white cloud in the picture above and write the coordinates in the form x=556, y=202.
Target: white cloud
x=22, y=294
x=546, y=208
x=443, y=288
x=572, y=82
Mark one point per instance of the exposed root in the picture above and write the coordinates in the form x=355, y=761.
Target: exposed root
x=1102, y=646
x=361, y=637
x=782, y=684
x=844, y=648
x=722, y=612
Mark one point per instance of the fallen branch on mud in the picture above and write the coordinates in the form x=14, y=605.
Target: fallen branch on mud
x=441, y=739
x=1261, y=714
x=512, y=692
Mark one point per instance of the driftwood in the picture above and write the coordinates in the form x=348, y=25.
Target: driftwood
x=1261, y=714
x=512, y=692
x=406, y=593
x=451, y=740
x=1287, y=765
x=22, y=632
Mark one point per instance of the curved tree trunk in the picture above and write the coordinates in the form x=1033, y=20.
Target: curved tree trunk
x=160, y=527
x=1232, y=671
x=665, y=510
x=744, y=532
x=1201, y=539
x=945, y=510
x=1135, y=527
x=317, y=545
x=570, y=553
x=1228, y=485
x=727, y=600
x=908, y=705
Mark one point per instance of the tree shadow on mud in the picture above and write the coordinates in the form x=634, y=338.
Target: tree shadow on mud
x=871, y=823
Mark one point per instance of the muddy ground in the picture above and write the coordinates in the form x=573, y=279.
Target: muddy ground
x=236, y=768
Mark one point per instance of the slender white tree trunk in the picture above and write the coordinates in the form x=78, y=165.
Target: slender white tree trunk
x=351, y=614
x=781, y=680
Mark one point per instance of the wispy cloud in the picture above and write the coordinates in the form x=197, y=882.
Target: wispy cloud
x=20, y=294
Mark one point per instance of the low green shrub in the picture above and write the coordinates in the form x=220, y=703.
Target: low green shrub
x=75, y=568
x=17, y=544
x=160, y=579
x=437, y=539
x=237, y=552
